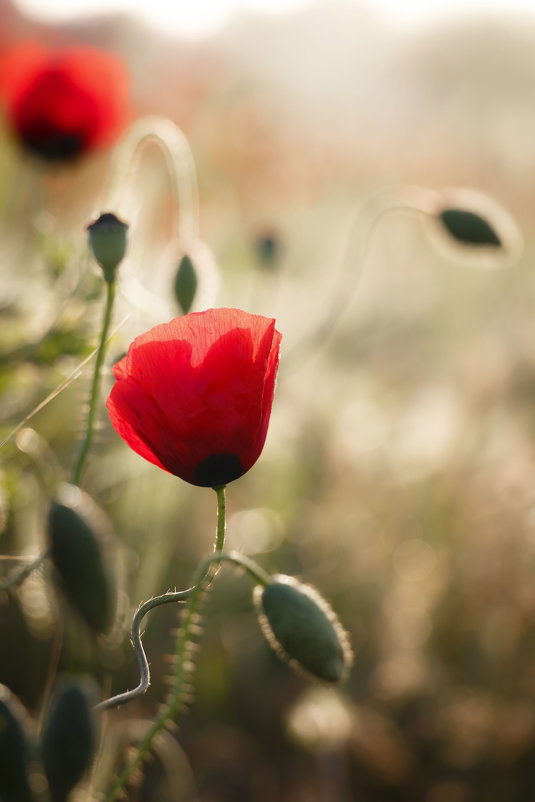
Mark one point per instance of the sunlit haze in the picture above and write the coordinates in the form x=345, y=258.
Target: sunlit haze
x=206, y=16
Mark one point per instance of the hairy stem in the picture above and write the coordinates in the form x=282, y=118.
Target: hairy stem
x=144, y=681
x=85, y=445
x=205, y=574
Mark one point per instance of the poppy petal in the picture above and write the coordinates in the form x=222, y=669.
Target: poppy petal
x=194, y=396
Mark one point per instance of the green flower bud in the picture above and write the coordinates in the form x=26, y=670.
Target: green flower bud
x=186, y=284
x=108, y=239
x=268, y=249
x=78, y=549
x=469, y=228
x=69, y=737
x=474, y=226
x=14, y=785
x=302, y=628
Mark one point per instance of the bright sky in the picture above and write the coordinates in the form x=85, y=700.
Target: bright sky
x=203, y=17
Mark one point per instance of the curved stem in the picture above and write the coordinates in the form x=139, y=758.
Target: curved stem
x=369, y=213
x=177, y=154
x=249, y=566
x=144, y=682
x=17, y=577
x=255, y=571
x=88, y=437
x=205, y=574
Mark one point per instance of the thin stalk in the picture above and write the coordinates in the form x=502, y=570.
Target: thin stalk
x=178, y=695
x=85, y=445
x=73, y=375
x=255, y=571
x=17, y=577
x=144, y=682
x=181, y=170
x=351, y=266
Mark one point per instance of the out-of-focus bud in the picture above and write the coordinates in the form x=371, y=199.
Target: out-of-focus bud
x=69, y=737
x=79, y=539
x=186, y=283
x=477, y=224
x=14, y=785
x=469, y=228
x=302, y=628
x=108, y=240
x=268, y=246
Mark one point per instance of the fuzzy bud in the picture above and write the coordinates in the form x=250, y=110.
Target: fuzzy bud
x=14, y=785
x=267, y=246
x=69, y=736
x=77, y=536
x=186, y=284
x=469, y=228
x=302, y=628
x=108, y=239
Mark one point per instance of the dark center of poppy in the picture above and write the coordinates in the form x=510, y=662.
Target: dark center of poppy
x=53, y=145
x=218, y=469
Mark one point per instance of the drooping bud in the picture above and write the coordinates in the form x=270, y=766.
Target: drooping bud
x=14, y=785
x=302, y=628
x=477, y=224
x=186, y=283
x=78, y=549
x=267, y=246
x=108, y=240
x=69, y=737
x=469, y=228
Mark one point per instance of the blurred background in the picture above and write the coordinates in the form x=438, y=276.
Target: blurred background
x=399, y=471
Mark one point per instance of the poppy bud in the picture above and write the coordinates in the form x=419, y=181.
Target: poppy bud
x=69, y=737
x=267, y=246
x=13, y=749
x=186, y=283
x=476, y=223
x=108, y=240
x=76, y=536
x=302, y=628
x=469, y=228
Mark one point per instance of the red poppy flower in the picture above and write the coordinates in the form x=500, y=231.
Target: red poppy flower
x=194, y=396
x=62, y=104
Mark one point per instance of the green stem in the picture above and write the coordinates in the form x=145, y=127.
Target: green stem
x=375, y=207
x=144, y=681
x=88, y=438
x=255, y=571
x=177, y=697
x=221, y=518
x=17, y=577
x=181, y=170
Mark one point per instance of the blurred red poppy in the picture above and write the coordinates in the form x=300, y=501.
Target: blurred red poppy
x=61, y=104
x=194, y=396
